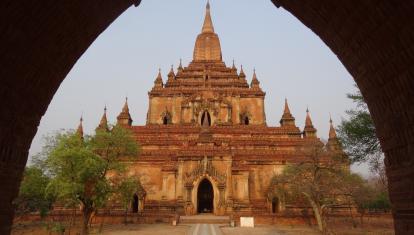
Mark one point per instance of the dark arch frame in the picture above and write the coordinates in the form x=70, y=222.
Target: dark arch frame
x=373, y=39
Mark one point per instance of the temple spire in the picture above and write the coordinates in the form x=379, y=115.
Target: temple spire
x=180, y=66
x=308, y=122
x=79, y=131
x=171, y=74
x=255, y=82
x=124, y=118
x=158, y=81
x=287, y=118
x=286, y=110
x=333, y=141
x=207, y=46
x=332, y=132
x=242, y=75
x=208, y=23
x=309, y=130
x=103, y=124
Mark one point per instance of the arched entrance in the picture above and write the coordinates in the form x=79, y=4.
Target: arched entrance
x=246, y=120
x=205, y=197
x=275, y=205
x=206, y=119
x=135, y=204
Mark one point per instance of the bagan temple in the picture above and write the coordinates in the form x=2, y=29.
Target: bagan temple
x=206, y=147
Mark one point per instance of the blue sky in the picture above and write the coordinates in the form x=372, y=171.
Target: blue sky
x=290, y=61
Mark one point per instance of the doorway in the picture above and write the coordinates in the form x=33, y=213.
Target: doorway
x=275, y=205
x=206, y=119
x=205, y=197
x=135, y=203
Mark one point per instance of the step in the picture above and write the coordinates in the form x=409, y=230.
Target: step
x=204, y=219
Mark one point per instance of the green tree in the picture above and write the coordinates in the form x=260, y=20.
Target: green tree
x=81, y=168
x=32, y=194
x=319, y=180
x=358, y=136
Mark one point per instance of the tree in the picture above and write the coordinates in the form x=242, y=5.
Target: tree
x=32, y=194
x=319, y=180
x=358, y=136
x=360, y=193
x=81, y=168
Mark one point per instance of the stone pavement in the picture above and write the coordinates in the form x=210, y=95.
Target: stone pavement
x=205, y=229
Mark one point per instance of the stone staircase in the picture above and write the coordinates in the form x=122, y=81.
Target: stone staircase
x=204, y=219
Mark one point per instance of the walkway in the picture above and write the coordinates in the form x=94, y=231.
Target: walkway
x=204, y=229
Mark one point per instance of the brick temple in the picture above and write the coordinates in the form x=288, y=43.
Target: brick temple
x=206, y=147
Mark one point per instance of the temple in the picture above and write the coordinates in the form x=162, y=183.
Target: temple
x=206, y=146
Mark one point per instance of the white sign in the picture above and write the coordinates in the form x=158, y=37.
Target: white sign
x=246, y=222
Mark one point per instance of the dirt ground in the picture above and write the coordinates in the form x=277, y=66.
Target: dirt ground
x=269, y=230
x=336, y=226
x=141, y=229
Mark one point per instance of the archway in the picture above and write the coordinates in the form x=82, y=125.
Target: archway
x=205, y=197
x=246, y=120
x=135, y=203
x=206, y=119
x=275, y=205
x=373, y=39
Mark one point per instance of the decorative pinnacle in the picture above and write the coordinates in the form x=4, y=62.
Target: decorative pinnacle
x=208, y=24
x=287, y=110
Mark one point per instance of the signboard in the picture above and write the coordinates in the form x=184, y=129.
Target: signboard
x=246, y=222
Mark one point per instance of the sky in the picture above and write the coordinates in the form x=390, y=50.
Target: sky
x=290, y=60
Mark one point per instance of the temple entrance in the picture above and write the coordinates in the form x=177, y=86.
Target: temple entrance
x=205, y=197
x=275, y=205
x=246, y=121
x=135, y=203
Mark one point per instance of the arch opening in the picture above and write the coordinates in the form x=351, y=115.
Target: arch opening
x=205, y=197
x=206, y=119
x=275, y=205
x=135, y=203
x=165, y=120
x=246, y=121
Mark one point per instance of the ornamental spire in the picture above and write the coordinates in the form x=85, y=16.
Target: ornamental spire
x=158, y=81
x=79, y=131
x=124, y=118
x=242, y=75
x=309, y=130
x=308, y=122
x=287, y=118
x=171, y=74
x=255, y=82
x=286, y=110
x=333, y=141
x=208, y=23
x=103, y=124
x=332, y=132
